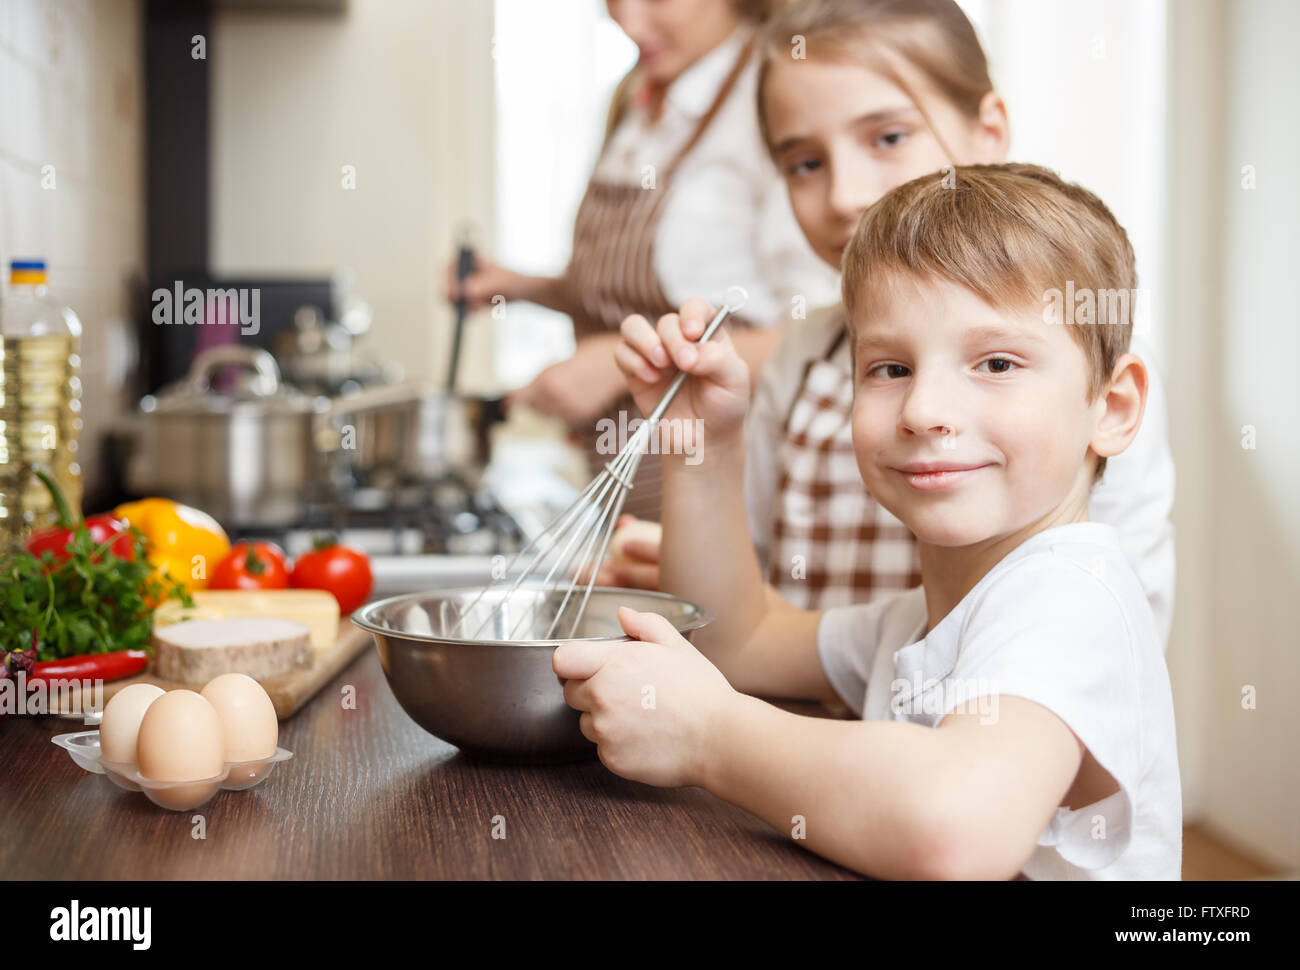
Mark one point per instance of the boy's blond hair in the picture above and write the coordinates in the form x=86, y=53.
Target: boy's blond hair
x=1018, y=236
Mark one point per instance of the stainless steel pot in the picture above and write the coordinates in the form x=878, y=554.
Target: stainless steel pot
x=322, y=358
x=412, y=432
x=244, y=454
x=498, y=699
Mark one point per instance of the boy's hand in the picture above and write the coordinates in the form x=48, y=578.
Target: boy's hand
x=717, y=392
x=649, y=704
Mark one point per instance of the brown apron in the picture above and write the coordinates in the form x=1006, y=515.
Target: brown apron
x=611, y=276
x=832, y=543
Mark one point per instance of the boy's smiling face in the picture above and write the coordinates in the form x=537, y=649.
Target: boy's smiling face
x=971, y=422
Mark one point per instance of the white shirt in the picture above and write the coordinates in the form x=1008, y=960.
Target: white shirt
x=727, y=220
x=1062, y=621
x=1135, y=494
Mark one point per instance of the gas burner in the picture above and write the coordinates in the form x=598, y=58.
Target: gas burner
x=443, y=517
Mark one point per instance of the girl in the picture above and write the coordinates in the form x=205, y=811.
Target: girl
x=856, y=97
x=682, y=202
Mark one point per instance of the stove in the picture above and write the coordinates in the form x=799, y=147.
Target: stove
x=422, y=536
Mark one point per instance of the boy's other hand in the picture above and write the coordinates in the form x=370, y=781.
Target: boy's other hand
x=648, y=704
x=717, y=392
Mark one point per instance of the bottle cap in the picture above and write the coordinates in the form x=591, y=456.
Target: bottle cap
x=26, y=271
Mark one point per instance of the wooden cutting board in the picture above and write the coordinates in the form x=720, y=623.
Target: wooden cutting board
x=288, y=692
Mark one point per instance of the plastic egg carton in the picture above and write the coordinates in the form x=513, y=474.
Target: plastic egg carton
x=179, y=796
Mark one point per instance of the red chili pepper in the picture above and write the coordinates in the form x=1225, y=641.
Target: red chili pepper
x=92, y=666
x=102, y=528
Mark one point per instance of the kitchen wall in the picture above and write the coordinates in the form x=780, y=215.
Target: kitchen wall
x=1084, y=85
x=402, y=91
x=1253, y=720
x=1197, y=78
x=1233, y=400
x=71, y=184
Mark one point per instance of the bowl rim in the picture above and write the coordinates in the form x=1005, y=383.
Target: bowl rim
x=363, y=617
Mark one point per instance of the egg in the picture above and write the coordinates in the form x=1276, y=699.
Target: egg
x=248, y=721
x=181, y=739
x=120, y=725
x=638, y=530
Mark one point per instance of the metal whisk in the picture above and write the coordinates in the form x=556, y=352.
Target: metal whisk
x=590, y=518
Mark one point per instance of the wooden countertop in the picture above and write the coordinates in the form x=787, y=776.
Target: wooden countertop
x=371, y=795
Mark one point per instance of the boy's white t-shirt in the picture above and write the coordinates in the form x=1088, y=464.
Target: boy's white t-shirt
x=1061, y=620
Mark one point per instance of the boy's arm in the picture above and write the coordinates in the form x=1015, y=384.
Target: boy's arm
x=706, y=554
x=707, y=557
x=896, y=800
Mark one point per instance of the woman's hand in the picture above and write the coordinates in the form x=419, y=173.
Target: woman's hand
x=717, y=393
x=578, y=390
x=487, y=280
x=649, y=704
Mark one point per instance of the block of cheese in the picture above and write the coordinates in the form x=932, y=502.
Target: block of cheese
x=195, y=651
x=313, y=608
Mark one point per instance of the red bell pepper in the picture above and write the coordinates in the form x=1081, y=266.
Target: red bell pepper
x=103, y=529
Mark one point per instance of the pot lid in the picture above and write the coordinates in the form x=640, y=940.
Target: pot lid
x=256, y=387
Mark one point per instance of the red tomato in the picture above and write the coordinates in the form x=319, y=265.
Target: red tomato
x=252, y=565
x=340, y=570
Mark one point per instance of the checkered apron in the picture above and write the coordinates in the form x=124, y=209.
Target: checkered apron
x=832, y=544
x=611, y=276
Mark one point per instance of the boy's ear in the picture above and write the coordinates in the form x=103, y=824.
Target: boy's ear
x=994, y=130
x=1120, y=407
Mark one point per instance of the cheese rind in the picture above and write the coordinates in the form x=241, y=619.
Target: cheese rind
x=195, y=651
x=314, y=608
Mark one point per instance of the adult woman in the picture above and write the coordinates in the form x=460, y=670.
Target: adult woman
x=683, y=201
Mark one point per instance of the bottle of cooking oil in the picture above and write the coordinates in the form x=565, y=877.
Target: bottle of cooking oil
x=40, y=402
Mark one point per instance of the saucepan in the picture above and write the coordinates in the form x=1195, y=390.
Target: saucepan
x=409, y=432
x=242, y=452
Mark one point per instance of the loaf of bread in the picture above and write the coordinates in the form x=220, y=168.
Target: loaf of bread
x=195, y=651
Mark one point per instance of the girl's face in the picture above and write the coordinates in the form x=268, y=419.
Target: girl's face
x=843, y=135
x=671, y=35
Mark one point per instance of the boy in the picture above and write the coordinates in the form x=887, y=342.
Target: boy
x=1017, y=710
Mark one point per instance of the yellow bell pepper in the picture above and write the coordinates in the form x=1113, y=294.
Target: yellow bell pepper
x=184, y=543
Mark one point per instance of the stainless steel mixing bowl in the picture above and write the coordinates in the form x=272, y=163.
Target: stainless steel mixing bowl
x=498, y=698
